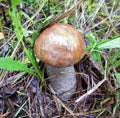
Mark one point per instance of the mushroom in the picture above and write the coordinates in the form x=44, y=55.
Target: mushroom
x=60, y=46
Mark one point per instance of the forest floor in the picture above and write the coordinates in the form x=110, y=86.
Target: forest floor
x=23, y=81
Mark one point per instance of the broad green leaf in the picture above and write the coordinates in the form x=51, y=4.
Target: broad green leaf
x=117, y=75
x=109, y=44
x=9, y=64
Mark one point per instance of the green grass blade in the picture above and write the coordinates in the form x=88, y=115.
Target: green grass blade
x=20, y=109
x=115, y=56
x=30, y=56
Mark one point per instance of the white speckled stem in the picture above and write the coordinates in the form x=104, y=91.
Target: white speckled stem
x=62, y=81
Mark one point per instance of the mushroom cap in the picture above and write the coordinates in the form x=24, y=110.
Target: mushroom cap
x=60, y=45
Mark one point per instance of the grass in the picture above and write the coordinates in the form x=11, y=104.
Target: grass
x=21, y=23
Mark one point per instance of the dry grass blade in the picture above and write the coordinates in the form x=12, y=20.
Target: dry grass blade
x=64, y=106
x=94, y=88
x=59, y=17
x=37, y=12
x=96, y=12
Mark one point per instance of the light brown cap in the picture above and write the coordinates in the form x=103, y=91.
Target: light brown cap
x=60, y=45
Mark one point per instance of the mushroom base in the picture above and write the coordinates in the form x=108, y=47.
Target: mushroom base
x=62, y=81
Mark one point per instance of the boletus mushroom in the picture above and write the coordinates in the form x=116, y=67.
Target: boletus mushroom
x=60, y=47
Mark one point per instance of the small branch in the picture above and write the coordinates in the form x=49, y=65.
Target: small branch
x=91, y=91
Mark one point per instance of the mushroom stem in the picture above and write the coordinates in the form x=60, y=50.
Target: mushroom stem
x=62, y=81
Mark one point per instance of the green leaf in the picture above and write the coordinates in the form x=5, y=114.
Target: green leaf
x=14, y=3
x=9, y=64
x=31, y=57
x=25, y=32
x=16, y=18
x=109, y=44
x=96, y=55
x=29, y=1
x=93, y=41
x=92, y=47
x=117, y=75
x=91, y=38
x=22, y=32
